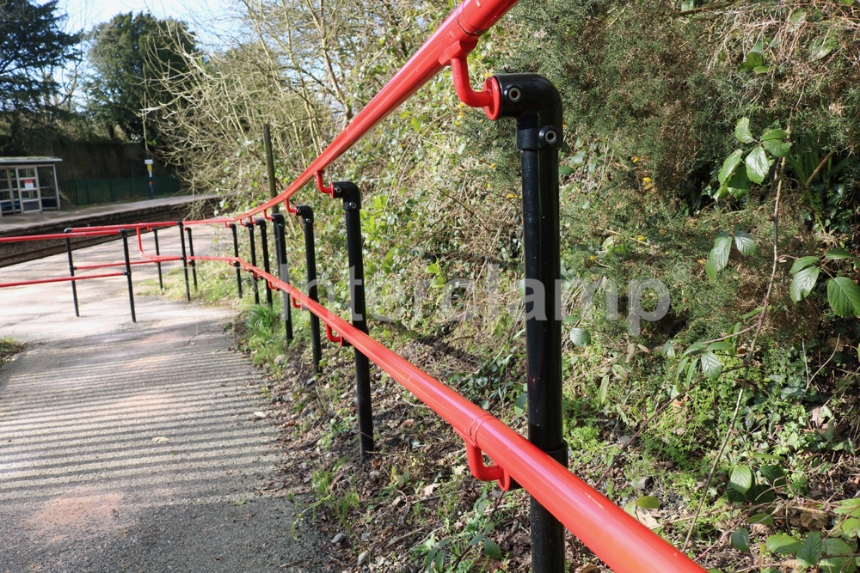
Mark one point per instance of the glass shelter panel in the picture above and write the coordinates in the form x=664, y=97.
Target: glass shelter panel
x=8, y=198
x=48, y=187
x=28, y=189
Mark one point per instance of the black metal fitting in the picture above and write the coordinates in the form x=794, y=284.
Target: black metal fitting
x=236, y=255
x=72, y=272
x=351, y=195
x=158, y=263
x=127, y=273
x=181, y=226
x=193, y=262
x=536, y=105
x=264, y=247
x=306, y=214
x=250, y=227
x=283, y=271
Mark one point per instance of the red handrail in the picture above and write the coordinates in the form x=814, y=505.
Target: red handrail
x=619, y=540
x=61, y=279
x=122, y=263
x=52, y=236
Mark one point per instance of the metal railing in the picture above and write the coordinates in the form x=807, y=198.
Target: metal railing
x=537, y=464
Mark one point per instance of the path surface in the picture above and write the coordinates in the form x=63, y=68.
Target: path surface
x=134, y=447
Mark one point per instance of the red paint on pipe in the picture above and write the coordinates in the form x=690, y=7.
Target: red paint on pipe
x=61, y=279
x=50, y=237
x=619, y=540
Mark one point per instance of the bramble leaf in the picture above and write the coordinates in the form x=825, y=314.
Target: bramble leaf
x=776, y=147
x=492, y=549
x=782, y=544
x=711, y=365
x=745, y=243
x=802, y=263
x=729, y=165
x=719, y=255
x=648, y=502
x=758, y=165
x=741, y=479
x=580, y=337
x=810, y=552
x=843, y=296
x=837, y=254
x=741, y=539
x=742, y=130
x=803, y=283
x=771, y=134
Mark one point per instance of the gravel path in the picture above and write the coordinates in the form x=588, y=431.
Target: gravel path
x=134, y=447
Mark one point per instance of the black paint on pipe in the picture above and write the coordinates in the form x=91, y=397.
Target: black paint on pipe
x=283, y=271
x=307, y=215
x=158, y=264
x=351, y=196
x=250, y=227
x=72, y=273
x=236, y=263
x=264, y=247
x=184, y=260
x=127, y=273
x=536, y=105
x=191, y=252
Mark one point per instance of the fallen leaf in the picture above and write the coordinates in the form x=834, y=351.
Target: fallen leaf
x=429, y=489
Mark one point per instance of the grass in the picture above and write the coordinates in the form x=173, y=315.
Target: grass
x=8, y=349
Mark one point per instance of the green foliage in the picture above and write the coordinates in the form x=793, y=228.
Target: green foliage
x=126, y=53
x=843, y=294
x=758, y=162
x=718, y=257
x=33, y=46
x=447, y=554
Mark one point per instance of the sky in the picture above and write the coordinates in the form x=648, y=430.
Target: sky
x=210, y=19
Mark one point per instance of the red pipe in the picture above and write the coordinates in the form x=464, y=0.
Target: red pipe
x=129, y=226
x=623, y=543
x=23, y=238
x=460, y=31
x=61, y=279
x=122, y=263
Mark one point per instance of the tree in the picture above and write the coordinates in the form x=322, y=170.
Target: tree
x=127, y=54
x=32, y=46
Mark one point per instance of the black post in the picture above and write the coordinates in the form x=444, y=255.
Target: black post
x=283, y=271
x=127, y=273
x=193, y=262
x=236, y=254
x=307, y=215
x=72, y=273
x=250, y=227
x=158, y=264
x=536, y=105
x=264, y=247
x=351, y=196
x=184, y=260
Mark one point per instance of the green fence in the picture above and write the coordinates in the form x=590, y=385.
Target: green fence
x=94, y=191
